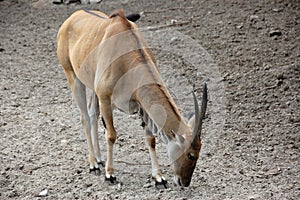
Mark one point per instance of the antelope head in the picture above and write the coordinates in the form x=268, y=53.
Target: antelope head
x=184, y=151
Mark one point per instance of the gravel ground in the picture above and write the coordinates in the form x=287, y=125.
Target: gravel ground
x=249, y=53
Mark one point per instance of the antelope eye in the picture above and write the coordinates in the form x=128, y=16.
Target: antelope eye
x=191, y=157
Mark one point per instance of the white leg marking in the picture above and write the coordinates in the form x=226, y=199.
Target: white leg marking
x=80, y=97
x=94, y=113
x=150, y=141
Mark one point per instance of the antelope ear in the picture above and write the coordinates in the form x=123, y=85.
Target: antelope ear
x=191, y=121
x=179, y=138
x=167, y=138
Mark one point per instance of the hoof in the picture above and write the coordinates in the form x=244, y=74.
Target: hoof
x=95, y=171
x=111, y=179
x=160, y=185
x=102, y=163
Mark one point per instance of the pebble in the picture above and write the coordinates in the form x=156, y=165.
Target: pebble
x=173, y=21
x=148, y=185
x=276, y=32
x=280, y=76
x=253, y=197
x=253, y=17
x=277, y=10
x=43, y=193
x=88, y=185
x=240, y=26
x=69, y=195
x=175, y=39
x=64, y=141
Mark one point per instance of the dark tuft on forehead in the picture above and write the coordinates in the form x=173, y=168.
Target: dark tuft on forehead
x=116, y=13
x=120, y=13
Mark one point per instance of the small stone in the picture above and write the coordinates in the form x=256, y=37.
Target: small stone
x=273, y=33
x=280, y=76
x=21, y=167
x=279, y=82
x=88, y=191
x=253, y=17
x=148, y=185
x=277, y=10
x=239, y=53
x=88, y=185
x=173, y=21
x=64, y=141
x=95, y=1
x=240, y=26
x=175, y=39
x=69, y=195
x=13, y=194
x=57, y=1
x=43, y=193
x=253, y=197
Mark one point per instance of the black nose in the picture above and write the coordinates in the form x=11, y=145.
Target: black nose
x=187, y=183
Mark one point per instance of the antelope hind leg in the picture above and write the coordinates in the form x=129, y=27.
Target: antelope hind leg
x=79, y=93
x=94, y=112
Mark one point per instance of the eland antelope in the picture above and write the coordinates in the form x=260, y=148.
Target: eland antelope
x=109, y=55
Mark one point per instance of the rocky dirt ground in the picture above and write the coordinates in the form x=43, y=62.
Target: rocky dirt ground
x=252, y=152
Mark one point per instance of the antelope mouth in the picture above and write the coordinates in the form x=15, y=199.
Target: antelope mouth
x=177, y=181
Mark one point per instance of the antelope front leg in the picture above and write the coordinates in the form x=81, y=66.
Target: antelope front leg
x=160, y=181
x=111, y=137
